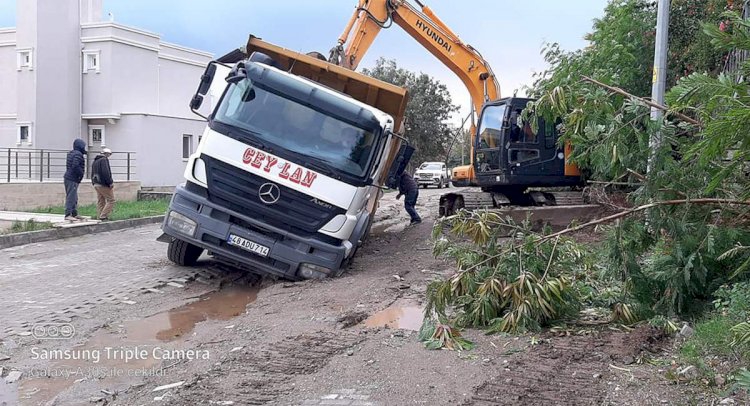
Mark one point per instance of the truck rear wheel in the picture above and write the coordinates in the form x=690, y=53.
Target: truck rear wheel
x=183, y=253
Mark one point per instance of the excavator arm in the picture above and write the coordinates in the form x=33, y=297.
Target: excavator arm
x=425, y=27
x=433, y=34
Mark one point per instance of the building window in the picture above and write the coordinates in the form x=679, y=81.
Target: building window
x=91, y=61
x=24, y=59
x=187, y=146
x=96, y=136
x=24, y=134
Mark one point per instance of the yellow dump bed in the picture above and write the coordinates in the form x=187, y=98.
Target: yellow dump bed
x=381, y=95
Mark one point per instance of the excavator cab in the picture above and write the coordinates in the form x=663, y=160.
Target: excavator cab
x=511, y=157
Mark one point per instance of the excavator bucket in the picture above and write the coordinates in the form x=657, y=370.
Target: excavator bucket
x=381, y=95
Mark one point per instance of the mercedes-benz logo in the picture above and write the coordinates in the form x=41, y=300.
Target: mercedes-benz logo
x=269, y=193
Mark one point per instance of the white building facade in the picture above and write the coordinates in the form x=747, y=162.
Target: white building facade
x=66, y=74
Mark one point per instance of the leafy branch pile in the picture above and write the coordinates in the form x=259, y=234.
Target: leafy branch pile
x=506, y=284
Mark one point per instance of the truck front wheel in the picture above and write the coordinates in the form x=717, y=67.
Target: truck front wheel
x=183, y=253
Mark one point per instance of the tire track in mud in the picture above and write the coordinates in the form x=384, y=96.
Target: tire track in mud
x=564, y=371
x=267, y=372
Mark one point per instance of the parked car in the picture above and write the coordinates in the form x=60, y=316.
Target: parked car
x=433, y=173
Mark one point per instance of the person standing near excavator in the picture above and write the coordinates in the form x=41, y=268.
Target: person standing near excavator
x=408, y=187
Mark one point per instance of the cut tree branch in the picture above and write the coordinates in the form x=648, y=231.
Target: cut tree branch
x=645, y=101
x=641, y=208
x=615, y=216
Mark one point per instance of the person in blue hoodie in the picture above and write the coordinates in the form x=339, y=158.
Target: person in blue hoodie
x=75, y=168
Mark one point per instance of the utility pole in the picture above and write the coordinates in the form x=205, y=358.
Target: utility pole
x=659, y=80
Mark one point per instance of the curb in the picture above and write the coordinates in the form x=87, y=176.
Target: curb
x=14, y=240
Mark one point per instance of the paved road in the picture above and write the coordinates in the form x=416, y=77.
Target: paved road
x=57, y=280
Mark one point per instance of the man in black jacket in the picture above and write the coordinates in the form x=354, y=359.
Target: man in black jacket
x=75, y=167
x=407, y=186
x=101, y=178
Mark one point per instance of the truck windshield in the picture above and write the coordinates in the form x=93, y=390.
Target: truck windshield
x=491, y=127
x=297, y=128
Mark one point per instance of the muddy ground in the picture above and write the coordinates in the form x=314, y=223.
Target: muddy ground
x=158, y=334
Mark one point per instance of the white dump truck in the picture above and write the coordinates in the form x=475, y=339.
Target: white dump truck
x=288, y=173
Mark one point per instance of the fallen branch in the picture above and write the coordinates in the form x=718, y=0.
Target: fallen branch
x=642, y=208
x=645, y=101
x=599, y=182
x=640, y=177
x=615, y=216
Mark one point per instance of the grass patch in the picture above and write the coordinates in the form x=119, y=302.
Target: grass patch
x=123, y=210
x=712, y=337
x=26, y=226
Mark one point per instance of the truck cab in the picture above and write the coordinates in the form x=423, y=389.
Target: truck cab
x=284, y=179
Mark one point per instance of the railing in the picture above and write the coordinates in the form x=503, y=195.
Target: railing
x=39, y=165
x=733, y=64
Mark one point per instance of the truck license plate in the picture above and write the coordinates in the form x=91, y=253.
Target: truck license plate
x=248, y=245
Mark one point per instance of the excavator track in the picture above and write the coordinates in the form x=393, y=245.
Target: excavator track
x=473, y=199
x=557, y=209
x=567, y=198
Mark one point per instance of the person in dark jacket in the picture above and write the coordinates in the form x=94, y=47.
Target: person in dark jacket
x=101, y=178
x=75, y=167
x=407, y=186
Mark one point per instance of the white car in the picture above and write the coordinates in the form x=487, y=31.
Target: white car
x=432, y=173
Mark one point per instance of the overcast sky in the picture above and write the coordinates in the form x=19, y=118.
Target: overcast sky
x=508, y=33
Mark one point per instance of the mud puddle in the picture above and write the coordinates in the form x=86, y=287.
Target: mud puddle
x=405, y=316
x=116, y=356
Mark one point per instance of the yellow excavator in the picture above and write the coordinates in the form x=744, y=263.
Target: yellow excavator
x=507, y=158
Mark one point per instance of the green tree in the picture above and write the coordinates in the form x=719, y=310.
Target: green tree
x=427, y=111
x=461, y=149
x=673, y=261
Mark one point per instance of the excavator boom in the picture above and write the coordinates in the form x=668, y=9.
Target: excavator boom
x=370, y=16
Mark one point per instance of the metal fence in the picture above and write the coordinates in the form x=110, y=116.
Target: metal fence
x=737, y=58
x=39, y=165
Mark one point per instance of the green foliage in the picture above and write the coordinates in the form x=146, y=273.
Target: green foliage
x=663, y=323
x=123, y=210
x=733, y=301
x=690, y=51
x=429, y=107
x=436, y=336
x=26, y=226
x=672, y=257
x=725, y=331
x=742, y=379
x=503, y=285
x=741, y=334
x=620, y=53
x=459, y=153
x=670, y=272
x=721, y=104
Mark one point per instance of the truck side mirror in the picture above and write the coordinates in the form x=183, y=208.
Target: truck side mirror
x=207, y=78
x=399, y=165
x=205, y=84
